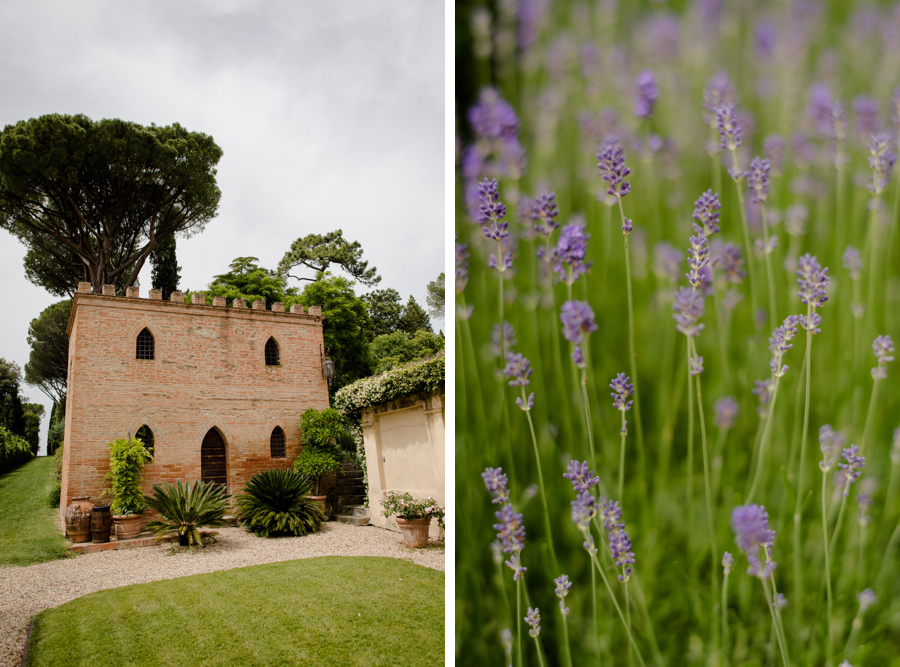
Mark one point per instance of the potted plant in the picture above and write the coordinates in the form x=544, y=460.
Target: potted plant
x=314, y=463
x=127, y=457
x=413, y=516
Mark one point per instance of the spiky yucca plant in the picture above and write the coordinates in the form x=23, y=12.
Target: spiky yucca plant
x=187, y=507
x=276, y=502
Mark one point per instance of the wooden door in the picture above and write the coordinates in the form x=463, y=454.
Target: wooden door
x=212, y=458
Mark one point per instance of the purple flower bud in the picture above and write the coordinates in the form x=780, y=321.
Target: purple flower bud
x=492, y=210
x=698, y=259
x=883, y=347
x=819, y=108
x=865, y=111
x=881, y=160
x=688, y=309
x=727, y=562
x=851, y=468
x=763, y=390
x=581, y=476
x=696, y=365
x=728, y=258
x=568, y=256
x=852, y=259
x=780, y=342
x=773, y=148
x=534, y=620
x=729, y=131
x=510, y=530
x=812, y=326
x=706, y=212
x=462, y=266
x=562, y=589
x=495, y=481
x=717, y=93
x=758, y=180
x=584, y=509
x=622, y=389
x=837, y=129
x=519, y=369
x=750, y=524
x=502, y=342
x=578, y=320
x=726, y=410
x=620, y=547
x=492, y=117
x=544, y=212
x=667, y=264
x=866, y=599
x=646, y=92
x=813, y=280
x=779, y=601
x=612, y=167
x=526, y=406
x=611, y=514
x=578, y=357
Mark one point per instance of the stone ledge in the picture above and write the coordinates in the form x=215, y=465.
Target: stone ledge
x=145, y=539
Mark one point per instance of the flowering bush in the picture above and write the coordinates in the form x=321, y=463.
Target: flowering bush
x=408, y=508
x=395, y=383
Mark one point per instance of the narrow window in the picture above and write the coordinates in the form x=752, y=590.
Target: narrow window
x=145, y=345
x=276, y=443
x=272, y=356
x=145, y=435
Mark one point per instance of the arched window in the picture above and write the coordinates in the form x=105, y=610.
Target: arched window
x=146, y=347
x=145, y=435
x=272, y=356
x=276, y=443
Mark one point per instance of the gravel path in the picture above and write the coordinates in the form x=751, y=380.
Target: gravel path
x=26, y=591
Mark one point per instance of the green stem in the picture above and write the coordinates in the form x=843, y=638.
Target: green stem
x=519, y=620
x=829, y=600
x=748, y=249
x=628, y=616
x=690, y=444
x=622, y=459
x=539, y=652
x=632, y=353
x=587, y=418
x=537, y=458
x=769, y=600
x=873, y=262
x=840, y=520
x=567, y=651
x=724, y=648
x=770, y=276
x=763, y=442
x=869, y=417
x=798, y=565
x=594, y=607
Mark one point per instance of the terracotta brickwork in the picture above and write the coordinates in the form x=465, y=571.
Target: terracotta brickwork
x=209, y=371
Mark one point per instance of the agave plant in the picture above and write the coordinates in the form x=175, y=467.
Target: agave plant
x=185, y=508
x=276, y=502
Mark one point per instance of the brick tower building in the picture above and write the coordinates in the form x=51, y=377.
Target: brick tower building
x=218, y=390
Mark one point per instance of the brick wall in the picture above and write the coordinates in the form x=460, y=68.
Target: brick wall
x=209, y=371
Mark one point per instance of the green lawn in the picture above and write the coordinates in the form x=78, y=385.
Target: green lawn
x=29, y=531
x=319, y=611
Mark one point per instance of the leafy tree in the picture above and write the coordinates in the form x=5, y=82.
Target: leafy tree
x=248, y=281
x=435, y=298
x=48, y=363
x=398, y=348
x=385, y=309
x=32, y=430
x=94, y=198
x=57, y=429
x=318, y=252
x=344, y=330
x=12, y=415
x=166, y=272
x=414, y=318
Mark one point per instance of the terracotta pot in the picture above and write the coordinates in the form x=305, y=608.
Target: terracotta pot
x=320, y=500
x=101, y=523
x=78, y=519
x=128, y=526
x=415, y=532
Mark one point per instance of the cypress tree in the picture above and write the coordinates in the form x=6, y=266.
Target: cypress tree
x=166, y=272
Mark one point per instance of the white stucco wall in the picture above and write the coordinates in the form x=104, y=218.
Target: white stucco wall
x=404, y=443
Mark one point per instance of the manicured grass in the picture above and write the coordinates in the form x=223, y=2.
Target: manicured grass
x=319, y=611
x=29, y=532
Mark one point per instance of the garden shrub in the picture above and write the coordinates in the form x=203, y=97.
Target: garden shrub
x=14, y=450
x=126, y=459
x=184, y=508
x=276, y=502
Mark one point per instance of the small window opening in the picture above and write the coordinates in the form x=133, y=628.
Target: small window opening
x=276, y=443
x=272, y=356
x=145, y=435
x=146, y=347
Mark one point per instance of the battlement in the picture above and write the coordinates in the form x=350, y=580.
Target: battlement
x=199, y=298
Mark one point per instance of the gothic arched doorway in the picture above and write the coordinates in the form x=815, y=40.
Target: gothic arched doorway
x=212, y=458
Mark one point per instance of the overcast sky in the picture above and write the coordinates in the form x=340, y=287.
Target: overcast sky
x=330, y=116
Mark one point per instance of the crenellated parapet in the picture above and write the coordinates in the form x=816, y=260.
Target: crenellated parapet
x=199, y=299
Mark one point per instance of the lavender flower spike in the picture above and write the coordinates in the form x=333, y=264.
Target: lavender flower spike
x=813, y=280
x=750, y=524
x=646, y=92
x=706, y=213
x=622, y=389
x=883, y=347
x=581, y=476
x=881, y=160
x=698, y=260
x=852, y=466
x=852, y=262
x=562, y=589
x=727, y=562
x=758, y=180
x=780, y=342
x=518, y=368
x=534, y=620
x=620, y=547
x=544, y=212
x=511, y=534
x=866, y=599
x=729, y=131
x=612, y=167
x=688, y=307
x=495, y=481
x=492, y=211
x=726, y=410
x=578, y=321
x=567, y=258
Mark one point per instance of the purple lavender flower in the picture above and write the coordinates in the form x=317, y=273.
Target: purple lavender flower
x=758, y=180
x=698, y=259
x=865, y=111
x=491, y=212
x=851, y=468
x=518, y=368
x=578, y=357
x=780, y=342
x=813, y=280
x=688, y=309
x=837, y=128
x=706, y=212
x=667, y=264
x=852, y=259
x=717, y=93
x=611, y=514
x=462, y=266
x=534, y=620
x=819, y=108
x=578, y=321
x=584, y=509
x=562, y=589
x=765, y=38
x=750, y=524
x=881, y=160
x=864, y=501
x=726, y=410
x=729, y=131
x=544, y=212
x=492, y=117
x=502, y=338
x=646, y=92
x=696, y=365
x=622, y=389
x=620, y=547
x=612, y=167
x=779, y=601
x=883, y=347
x=763, y=391
x=866, y=599
x=568, y=257
x=895, y=448
x=829, y=441
x=581, y=476
x=523, y=405
x=728, y=258
x=495, y=481
x=727, y=562
x=773, y=149
x=510, y=530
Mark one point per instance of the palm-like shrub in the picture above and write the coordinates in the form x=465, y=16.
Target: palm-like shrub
x=184, y=508
x=276, y=502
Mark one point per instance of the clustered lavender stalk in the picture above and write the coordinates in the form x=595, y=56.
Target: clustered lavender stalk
x=518, y=369
x=491, y=213
x=510, y=530
x=646, y=92
x=543, y=216
x=567, y=258
x=621, y=389
x=883, y=347
x=726, y=410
